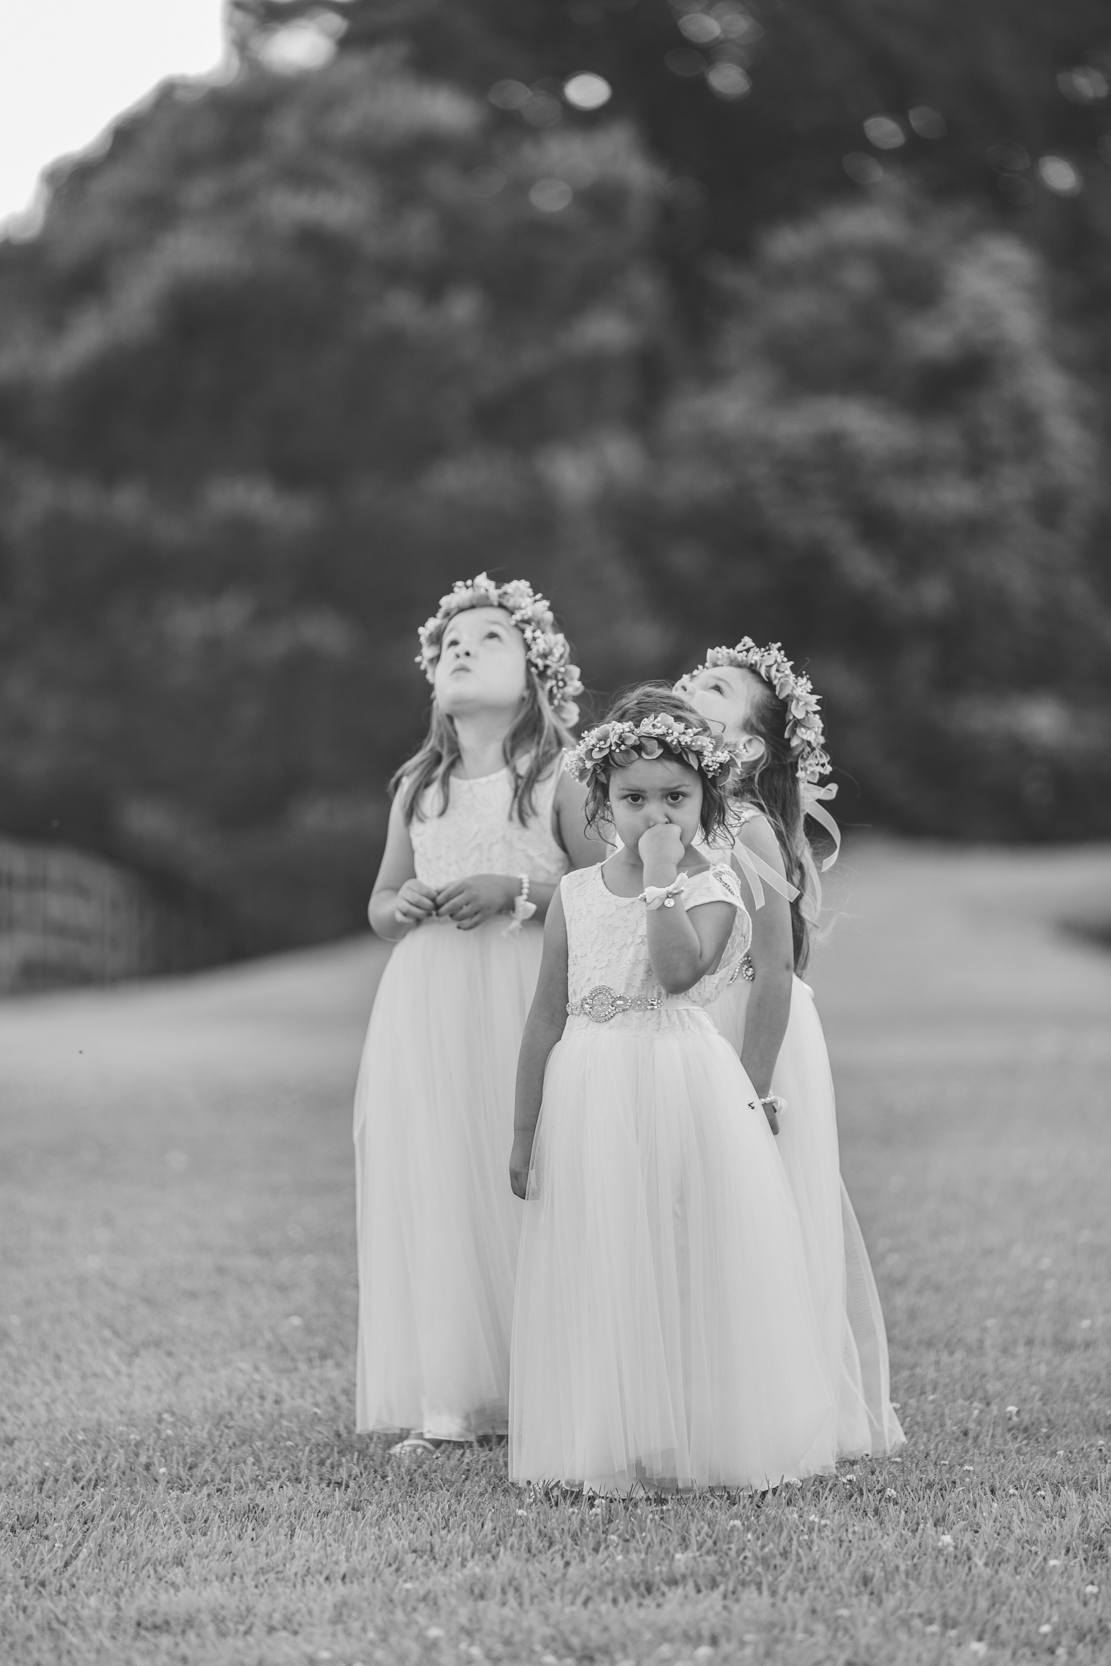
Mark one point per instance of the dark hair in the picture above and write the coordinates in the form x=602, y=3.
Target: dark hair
x=771, y=783
x=533, y=744
x=648, y=700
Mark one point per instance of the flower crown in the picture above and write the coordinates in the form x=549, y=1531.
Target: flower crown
x=547, y=650
x=805, y=733
x=619, y=744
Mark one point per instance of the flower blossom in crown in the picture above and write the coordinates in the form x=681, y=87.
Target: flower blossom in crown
x=805, y=732
x=547, y=650
x=616, y=745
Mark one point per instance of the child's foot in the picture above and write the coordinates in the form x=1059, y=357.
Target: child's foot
x=414, y=1444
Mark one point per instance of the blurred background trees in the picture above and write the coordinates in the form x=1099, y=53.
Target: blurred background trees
x=802, y=332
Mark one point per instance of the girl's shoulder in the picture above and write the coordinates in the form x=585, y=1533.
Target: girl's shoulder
x=756, y=831
x=745, y=811
x=715, y=883
x=577, y=880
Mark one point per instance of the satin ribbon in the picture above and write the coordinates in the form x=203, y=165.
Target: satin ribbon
x=761, y=874
x=811, y=807
x=757, y=870
x=812, y=905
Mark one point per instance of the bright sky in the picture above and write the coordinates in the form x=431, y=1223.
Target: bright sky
x=68, y=67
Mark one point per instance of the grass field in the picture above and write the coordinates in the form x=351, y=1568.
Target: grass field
x=179, y=1476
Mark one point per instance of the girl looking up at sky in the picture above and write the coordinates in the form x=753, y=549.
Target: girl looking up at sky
x=753, y=699
x=484, y=823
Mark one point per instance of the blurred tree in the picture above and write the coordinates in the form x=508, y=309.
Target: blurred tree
x=892, y=468
x=292, y=353
x=279, y=366
x=764, y=103
x=764, y=110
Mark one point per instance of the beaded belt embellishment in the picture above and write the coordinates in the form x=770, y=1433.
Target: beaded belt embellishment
x=604, y=1003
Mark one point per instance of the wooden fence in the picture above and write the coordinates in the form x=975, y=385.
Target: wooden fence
x=69, y=918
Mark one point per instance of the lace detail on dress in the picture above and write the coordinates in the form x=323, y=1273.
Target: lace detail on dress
x=607, y=939
x=477, y=833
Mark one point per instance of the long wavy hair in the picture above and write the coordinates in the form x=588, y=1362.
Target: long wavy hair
x=647, y=700
x=531, y=747
x=771, y=783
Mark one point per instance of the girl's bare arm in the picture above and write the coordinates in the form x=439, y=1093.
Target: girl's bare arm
x=545, y=1024
x=773, y=958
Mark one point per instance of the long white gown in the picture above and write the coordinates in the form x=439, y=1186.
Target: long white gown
x=664, y=1333
x=845, y=1296
x=437, y=1222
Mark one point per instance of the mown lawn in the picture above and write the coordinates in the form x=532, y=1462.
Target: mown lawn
x=180, y=1478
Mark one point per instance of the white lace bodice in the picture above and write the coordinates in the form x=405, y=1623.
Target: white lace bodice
x=479, y=833
x=607, y=942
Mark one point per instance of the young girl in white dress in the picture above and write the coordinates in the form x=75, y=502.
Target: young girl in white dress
x=770, y=716
x=664, y=1333
x=483, y=824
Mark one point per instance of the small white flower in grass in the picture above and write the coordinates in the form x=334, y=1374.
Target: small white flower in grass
x=978, y=1649
x=733, y=1524
x=841, y=1613
x=1044, y=1631
x=932, y=1631
x=1012, y=1413
x=945, y=1540
x=1054, y=1562
x=434, y=1633
x=1091, y=1590
x=522, y=1512
x=891, y=1493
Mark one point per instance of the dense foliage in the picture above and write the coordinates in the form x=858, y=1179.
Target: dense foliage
x=292, y=352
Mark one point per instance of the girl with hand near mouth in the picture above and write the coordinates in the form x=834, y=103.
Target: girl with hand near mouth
x=664, y=1336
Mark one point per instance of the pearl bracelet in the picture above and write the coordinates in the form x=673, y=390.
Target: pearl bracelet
x=522, y=909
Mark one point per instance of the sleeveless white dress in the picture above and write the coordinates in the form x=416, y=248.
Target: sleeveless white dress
x=847, y=1302
x=664, y=1334
x=437, y=1222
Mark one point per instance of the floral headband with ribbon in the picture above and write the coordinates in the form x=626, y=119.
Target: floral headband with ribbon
x=805, y=734
x=616, y=745
x=547, y=650
x=804, y=731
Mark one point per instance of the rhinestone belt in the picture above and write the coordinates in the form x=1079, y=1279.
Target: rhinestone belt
x=603, y=1003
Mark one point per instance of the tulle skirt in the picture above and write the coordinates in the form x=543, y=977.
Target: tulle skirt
x=854, y=1337
x=664, y=1332
x=438, y=1225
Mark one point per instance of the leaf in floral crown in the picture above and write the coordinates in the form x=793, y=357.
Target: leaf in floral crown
x=650, y=748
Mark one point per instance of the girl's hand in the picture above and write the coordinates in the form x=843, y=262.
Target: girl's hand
x=519, y=1160
x=416, y=902
x=469, y=901
x=661, y=851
